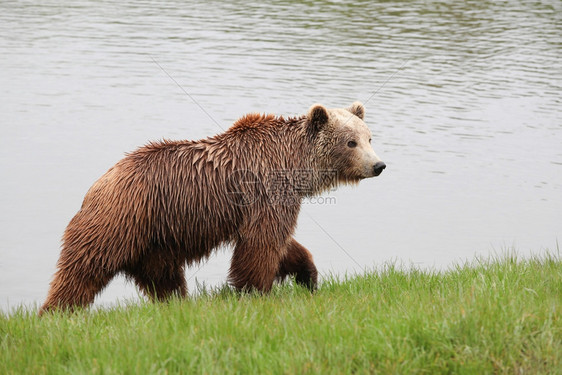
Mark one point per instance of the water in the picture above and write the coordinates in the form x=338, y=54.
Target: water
x=463, y=98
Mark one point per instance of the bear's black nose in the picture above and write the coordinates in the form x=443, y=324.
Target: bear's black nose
x=378, y=168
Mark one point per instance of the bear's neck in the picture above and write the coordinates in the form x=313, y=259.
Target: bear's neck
x=301, y=160
x=279, y=151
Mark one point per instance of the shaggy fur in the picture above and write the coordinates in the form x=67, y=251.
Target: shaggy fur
x=170, y=203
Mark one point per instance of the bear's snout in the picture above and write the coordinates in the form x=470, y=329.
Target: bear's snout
x=378, y=168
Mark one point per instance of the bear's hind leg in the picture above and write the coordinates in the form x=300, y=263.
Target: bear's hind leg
x=74, y=287
x=161, y=281
x=161, y=288
x=298, y=262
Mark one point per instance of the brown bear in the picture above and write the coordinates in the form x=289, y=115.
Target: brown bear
x=170, y=203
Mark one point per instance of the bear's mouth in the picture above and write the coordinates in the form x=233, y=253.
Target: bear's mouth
x=352, y=179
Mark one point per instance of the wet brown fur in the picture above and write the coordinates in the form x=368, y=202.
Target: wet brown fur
x=166, y=205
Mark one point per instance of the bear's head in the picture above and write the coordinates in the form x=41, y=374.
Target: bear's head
x=343, y=142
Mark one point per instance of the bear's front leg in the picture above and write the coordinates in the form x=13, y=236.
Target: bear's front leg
x=254, y=265
x=298, y=262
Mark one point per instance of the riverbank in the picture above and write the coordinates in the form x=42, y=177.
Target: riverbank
x=498, y=316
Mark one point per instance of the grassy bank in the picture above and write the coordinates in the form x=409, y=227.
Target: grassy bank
x=501, y=316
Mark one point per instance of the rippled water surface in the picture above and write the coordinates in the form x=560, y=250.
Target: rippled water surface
x=463, y=98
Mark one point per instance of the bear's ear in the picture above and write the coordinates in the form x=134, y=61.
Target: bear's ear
x=357, y=109
x=317, y=117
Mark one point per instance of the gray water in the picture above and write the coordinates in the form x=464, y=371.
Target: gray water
x=463, y=98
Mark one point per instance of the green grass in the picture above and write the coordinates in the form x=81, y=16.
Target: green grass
x=498, y=316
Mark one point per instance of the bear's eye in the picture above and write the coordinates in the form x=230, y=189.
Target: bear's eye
x=351, y=144
x=369, y=140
